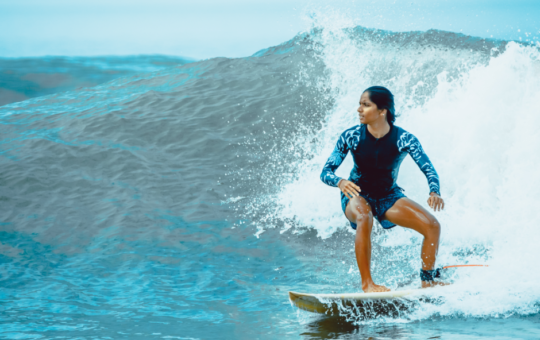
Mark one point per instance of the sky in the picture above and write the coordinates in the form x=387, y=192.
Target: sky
x=203, y=29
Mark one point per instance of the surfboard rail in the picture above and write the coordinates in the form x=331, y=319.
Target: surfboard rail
x=325, y=303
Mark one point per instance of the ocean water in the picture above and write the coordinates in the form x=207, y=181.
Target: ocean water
x=185, y=203
x=24, y=78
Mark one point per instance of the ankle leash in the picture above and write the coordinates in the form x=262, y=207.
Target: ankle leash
x=430, y=275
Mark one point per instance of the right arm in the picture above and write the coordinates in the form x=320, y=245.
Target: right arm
x=328, y=174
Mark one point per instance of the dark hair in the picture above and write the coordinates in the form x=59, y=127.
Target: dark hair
x=384, y=99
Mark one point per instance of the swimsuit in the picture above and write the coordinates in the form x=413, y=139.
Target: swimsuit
x=376, y=166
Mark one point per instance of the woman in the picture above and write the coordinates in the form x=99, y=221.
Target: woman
x=378, y=147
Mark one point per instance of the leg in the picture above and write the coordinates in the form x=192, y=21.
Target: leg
x=409, y=214
x=358, y=211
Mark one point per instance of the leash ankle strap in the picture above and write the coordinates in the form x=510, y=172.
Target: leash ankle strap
x=430, y=275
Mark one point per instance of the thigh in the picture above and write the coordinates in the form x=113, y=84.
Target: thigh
x=409, y=214
x=357, y=208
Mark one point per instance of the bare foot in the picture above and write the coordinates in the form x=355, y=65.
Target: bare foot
x=430, y=284
x=373, y=288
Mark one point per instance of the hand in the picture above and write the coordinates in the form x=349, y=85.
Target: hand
x=435, y=202
x=350, y=189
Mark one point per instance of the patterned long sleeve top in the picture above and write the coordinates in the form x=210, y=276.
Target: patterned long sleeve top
x=377, y=161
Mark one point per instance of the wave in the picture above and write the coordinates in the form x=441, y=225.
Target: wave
x=24, y=78
x=243, y=141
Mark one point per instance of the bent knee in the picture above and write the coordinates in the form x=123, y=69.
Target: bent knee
x=363, y=218
x=359, y=211
x=433, y=228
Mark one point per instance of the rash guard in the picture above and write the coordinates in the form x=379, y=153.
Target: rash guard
x=377, y=161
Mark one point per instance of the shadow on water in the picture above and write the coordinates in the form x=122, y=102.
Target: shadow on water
x=340, y=328
x=523, y=327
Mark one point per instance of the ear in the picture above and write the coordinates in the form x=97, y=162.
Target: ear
x=384, y=111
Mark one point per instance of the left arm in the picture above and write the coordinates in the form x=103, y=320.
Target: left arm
x=409, y=143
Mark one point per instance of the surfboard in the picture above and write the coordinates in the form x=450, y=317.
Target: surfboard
x=375, y=304
x=366, y=304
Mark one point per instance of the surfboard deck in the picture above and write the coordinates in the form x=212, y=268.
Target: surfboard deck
x=367, y=304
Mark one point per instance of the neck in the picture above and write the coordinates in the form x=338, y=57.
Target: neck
x=379, y=128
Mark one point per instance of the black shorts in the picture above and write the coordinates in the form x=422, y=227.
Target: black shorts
x=379, y=206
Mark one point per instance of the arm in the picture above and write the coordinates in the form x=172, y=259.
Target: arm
x=409, y=143
x=328, y=175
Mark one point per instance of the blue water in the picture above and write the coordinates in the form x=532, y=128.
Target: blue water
x=185, y=203
x=24, y=78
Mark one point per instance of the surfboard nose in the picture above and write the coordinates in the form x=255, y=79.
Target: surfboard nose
x=293, y=296
x=307, y=302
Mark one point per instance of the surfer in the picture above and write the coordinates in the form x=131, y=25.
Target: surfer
x=378, y=147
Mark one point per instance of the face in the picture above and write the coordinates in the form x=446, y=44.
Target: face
x=368, y=111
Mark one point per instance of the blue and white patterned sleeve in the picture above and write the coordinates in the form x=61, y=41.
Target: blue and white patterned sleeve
x=328, y=175
x=409, y=143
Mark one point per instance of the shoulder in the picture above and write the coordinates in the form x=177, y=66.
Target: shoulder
x=405, y=139
x=352, y=130
x=401, y=131
x=350, y=137
x=403, y=134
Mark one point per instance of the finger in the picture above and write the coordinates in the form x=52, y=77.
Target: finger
x=354, y=190
x=442, y=204
x=351, y=193
x=358, y=188
x=439, y=204
x=430, y=202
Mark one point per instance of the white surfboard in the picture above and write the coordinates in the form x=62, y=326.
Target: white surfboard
x=368, y=304
x=374, y=304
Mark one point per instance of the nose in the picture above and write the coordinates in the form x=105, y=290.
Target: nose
x=359, y=109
